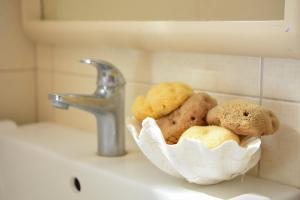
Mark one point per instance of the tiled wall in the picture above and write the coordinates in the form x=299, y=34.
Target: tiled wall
x=17, y=61
x=269, y=81
x=281, y=93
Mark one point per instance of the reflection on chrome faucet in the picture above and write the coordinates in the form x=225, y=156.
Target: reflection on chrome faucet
x=107, y=104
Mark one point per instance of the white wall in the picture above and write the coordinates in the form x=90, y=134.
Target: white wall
x=17, y=67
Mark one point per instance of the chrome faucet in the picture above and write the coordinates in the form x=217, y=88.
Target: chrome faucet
x=107, y=104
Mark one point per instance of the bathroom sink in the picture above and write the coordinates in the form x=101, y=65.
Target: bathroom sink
x=49, y=161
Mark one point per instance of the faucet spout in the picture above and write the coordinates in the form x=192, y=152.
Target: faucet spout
x=90, y=103
x=57, y=101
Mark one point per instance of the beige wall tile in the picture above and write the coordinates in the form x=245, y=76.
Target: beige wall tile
x=44, y=87
x=68, y=83
x=67, y=59
x=130, y=62
x=76, y=118
x=132, y=91
x=281, y=151
x=17, y=62
x=216, y=73
x=16, y=51
x=44, y=57
x=18, y=98
x=281, y=79
x=222, y=97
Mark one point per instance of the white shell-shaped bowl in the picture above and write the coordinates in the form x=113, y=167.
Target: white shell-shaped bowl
x=191, y=160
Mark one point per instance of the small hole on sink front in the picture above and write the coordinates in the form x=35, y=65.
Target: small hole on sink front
x=76, y=184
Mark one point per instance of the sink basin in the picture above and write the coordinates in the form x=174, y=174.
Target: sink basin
x=49, y=161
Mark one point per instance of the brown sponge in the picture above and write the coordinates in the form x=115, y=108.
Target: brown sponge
x=243, y=118
x=191, y=113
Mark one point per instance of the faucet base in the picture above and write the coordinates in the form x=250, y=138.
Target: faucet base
x=112, y=155
x=110, y=132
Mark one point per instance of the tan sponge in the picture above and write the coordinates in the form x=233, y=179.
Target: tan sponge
x=243, y=118
x=161, y=99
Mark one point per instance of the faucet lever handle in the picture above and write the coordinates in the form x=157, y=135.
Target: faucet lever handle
x=108, y=74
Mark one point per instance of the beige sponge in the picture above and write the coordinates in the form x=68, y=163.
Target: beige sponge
x=243, y=118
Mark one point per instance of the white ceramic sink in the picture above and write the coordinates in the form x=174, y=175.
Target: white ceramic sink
x=41, y=161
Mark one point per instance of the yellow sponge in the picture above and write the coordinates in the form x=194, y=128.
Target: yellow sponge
x=161, y=99
x=210, y=136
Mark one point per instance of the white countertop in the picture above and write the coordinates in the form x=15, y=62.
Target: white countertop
x=79, y=147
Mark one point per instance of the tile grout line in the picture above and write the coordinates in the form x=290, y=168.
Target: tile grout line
x=203, y=90
x=261, y=75
x=282, y=100
x=227, y=93
x=36, y=87
x=42, y=9
x=52, y=49
x=6, y=70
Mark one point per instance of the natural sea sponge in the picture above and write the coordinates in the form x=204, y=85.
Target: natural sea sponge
x=166, y=97
x=160, y=100
x=210, y=136
x=141, y=109
x=191, y=113
x=243, y=118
